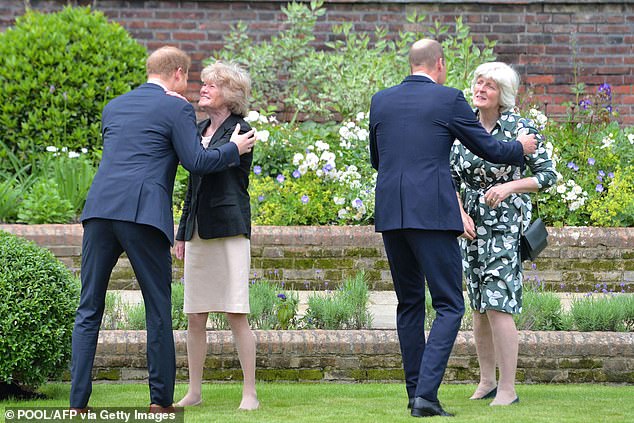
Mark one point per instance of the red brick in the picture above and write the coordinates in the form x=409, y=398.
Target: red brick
x=540, y=79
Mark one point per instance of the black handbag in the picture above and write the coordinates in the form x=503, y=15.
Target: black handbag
x=533, y=240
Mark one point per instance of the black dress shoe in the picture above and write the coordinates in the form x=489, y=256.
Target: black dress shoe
x=491, y=394
x=424, y=408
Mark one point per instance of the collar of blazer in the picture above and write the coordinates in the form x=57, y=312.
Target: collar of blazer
x=418, y=78
x=227, y=125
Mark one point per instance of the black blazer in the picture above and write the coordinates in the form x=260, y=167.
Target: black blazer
x=219, y=203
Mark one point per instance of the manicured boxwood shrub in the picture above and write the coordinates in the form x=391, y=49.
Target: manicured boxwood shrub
x=39, y=298
x=57, y=71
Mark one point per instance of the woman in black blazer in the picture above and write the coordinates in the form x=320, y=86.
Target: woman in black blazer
x=214, y=232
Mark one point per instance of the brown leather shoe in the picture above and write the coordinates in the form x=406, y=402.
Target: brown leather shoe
x=158, y=409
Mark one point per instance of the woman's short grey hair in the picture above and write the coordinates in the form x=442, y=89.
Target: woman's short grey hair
x=234, y=83
x=507, y=80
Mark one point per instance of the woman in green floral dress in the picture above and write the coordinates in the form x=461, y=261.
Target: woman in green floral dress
x=495, y=203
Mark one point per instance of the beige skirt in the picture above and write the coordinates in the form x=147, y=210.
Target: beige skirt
x=217, y=274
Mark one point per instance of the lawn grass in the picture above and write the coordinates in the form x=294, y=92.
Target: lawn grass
x=367, y=402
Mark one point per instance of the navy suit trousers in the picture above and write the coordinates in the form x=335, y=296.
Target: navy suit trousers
x=148, y=250
x=416, y=256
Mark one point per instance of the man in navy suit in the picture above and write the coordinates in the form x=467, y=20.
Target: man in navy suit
x=146, y=132
x=412, y=128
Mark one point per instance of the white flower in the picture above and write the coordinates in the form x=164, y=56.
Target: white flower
x=52, y=149
x=630, y=138
x=328, y=157
x=84, y=150
x=303, y=168
x=73, y=154
x=342, y=213
x=360, y=116
x=297, y=158
x=320, y=145
x=362, y=134
x=262, y=135
x=312, y=161
x=339, y=201
x=263, y=119
x=607, y=141
x=252, y=116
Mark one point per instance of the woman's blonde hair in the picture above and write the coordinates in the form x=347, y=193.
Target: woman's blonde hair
x=507, y=80
x=234, y=83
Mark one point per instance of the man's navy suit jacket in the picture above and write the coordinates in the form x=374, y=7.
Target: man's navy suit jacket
x=412, y=128
x=145, y=134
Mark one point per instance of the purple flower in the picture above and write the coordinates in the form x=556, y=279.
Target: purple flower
x=599, y=188
x=591, y=161
x=51, y=89
x=573, y=166
x=600, y=178
x=305, y=199
x=257, y=169
x=260, y=198
x=585, y=103
x=606, y=89
x=608, y=108
x=534, y=266
x=296, y=174
x=280, y=178
x=328, y=167
x=357, y=202
x=611, y=175
x=281, y=297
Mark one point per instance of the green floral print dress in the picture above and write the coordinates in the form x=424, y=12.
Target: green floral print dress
x=491, y=262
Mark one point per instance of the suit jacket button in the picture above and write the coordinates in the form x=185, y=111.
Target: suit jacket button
x=483, y=185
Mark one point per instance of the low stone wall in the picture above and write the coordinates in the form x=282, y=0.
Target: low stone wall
x=310, y=257
x=374, y=355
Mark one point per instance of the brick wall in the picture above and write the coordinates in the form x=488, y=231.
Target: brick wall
x=319, y=257
x=374, y=355
x=542, y=38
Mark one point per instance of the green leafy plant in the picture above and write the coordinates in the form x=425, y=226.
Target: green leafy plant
x=285, y=310
x=324, y=176
x=39, y=299
x=588, y=151
x=290, y=75
x=541, y=310
x=44, y=204
x=179, y=318
x=262, y=299
x=344, y=308
x=603, y=313
x=73, y=174
x=57, y=71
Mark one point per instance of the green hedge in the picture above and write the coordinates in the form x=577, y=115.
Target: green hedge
x=57, y=71
x=39, y=298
